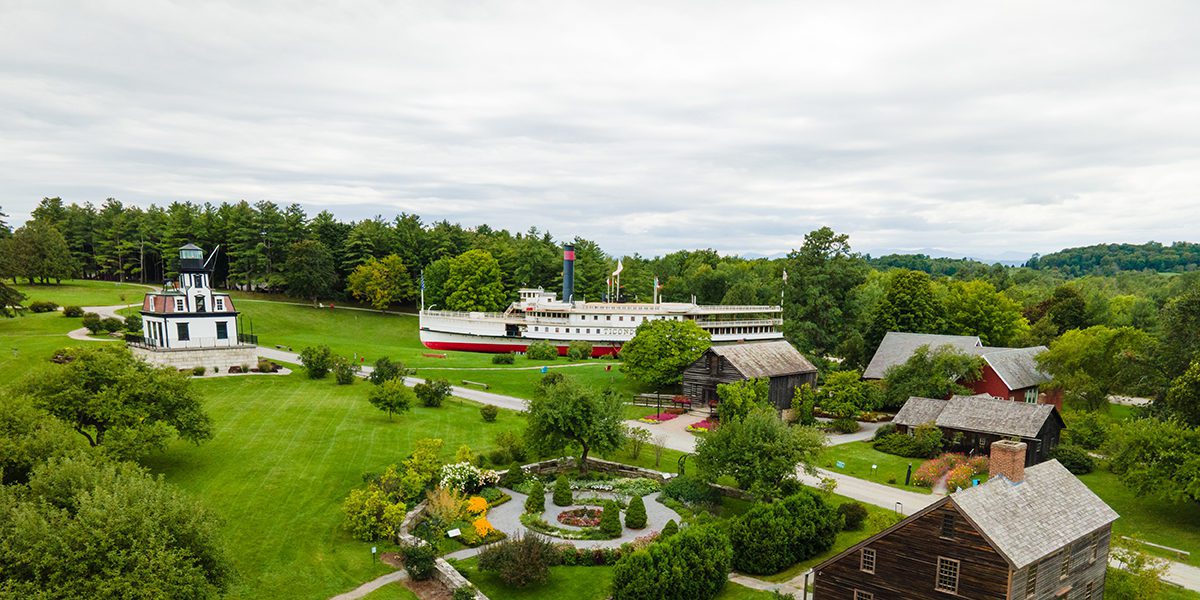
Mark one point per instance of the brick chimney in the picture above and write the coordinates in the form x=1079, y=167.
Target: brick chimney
x=1008, y=459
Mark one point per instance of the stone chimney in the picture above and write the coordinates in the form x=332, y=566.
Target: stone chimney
x=1008, y=459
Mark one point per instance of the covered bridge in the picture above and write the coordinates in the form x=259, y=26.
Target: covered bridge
x=778, y=361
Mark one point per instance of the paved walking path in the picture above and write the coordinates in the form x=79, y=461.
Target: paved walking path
x=81, y=334
x=766, y=586
x=370, y=586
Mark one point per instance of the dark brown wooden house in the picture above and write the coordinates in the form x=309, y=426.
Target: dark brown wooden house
x=1035, y=533
x=778, y=361
x=972, y=423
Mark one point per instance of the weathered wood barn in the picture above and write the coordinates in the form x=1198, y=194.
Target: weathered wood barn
x=1034, y=533
x=778, y=361
x=977, y=421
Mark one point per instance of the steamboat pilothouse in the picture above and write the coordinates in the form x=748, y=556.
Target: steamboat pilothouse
x=540, y=315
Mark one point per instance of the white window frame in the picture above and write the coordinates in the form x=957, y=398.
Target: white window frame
x=180, y=305
x=866, y=560
x=947, y=564
x=219, y=303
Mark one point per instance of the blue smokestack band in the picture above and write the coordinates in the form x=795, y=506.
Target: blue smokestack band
x=568, y=272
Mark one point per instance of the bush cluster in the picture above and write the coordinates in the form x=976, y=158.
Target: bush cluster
x=579, y=350
x=519, y=561
x=384, y=369
x=690, y=565
x=73, y=311
x=772, y=537
x=198, y=371
x=465, y=592
x=507, y=358
x=690, y=489
x=433, y=392
x=513, y=477
x=541, y=350
x=853, y=515
x=1074, y=458
x=344, y=370
x=489, y=412
x=845, y=425
x=43, y=306
x=419, y=559
x=133, y=323
x=925, y=442
x=317, y=360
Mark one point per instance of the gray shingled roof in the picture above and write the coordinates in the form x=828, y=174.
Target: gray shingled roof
x=897, y=347
x=1032, y=519
x=981, y=413
x=918, y=411
x=1017, y=366
x=765, y=359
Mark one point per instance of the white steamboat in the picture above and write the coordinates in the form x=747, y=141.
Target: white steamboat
x=541, y=315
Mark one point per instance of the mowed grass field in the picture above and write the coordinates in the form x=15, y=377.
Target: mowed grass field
x=286, y=451
x=858, y=457
x=85, y=292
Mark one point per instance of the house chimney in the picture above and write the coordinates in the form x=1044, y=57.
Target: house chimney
x=1008, y=459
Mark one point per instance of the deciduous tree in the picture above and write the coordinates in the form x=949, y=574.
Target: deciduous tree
x=381, y=282
x=474, y=283
x=930, y=373
x=660, y=351
x=392, y=397
x=821, y=275
x=759, y=451
x=1090, y=364
x=569, y=413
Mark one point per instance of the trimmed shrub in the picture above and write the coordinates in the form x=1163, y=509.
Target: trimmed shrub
x=73, y=311
x=772, y=537
x=344, y=370
x=464, y=592
x=489, y=412
x=690, y=565
x=579, y=350
x=845, y=425
x=635, y=515
x=42, y=306
x=562, y=492
x=690, y=489
x=519, y=561
x=507, y=358
x=92, y=322
x=112, y=324
x=670, y=529
x=133, y=323
x=884, y=430
x=419, y=560
x=385, y=369
x=1074, y=458
x=515, y=475
x=536, y=502
x=433, y=392
x=317, y=360
x=926, y=442
x=610, y=519
x=853, y=515
x=541, y=350
x=197, y=371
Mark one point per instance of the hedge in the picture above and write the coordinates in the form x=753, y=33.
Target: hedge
x=690, y=565
x=772, y=537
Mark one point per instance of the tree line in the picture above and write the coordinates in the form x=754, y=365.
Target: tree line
x=1107, y=259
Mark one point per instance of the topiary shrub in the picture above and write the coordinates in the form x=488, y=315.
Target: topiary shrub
x=519, y=561
x=73, y=311
x=690, y=565
x=197, y=371
x=489, y=412
x=853, y=515
x=419, y=559
x=670, y=529
x=317, y=360
x=772, y=537
x=1074, y=458
x=514, y=476
x=42, y=306
x=507, y=358
x=610, y=520
x=562, y=492
x=541, y=350
x=536, y=502
x=579, y=350
x=635, y=515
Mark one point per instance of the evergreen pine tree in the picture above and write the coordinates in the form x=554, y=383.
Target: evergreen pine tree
x=610, y=520
x=536, y=502
x=635, y=515
x=562, y=492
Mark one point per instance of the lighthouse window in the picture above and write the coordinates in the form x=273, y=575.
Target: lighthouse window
x=179, y=305
x=222, y=330
x=219, y=303
x=622, y=318
x=182, y=330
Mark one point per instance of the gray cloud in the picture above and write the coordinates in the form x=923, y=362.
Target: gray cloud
x=976, y=128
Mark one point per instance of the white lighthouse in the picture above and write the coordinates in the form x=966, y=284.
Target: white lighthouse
x=188, y=325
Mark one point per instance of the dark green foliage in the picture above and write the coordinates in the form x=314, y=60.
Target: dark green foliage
x=570, y=414
x=489, y=412
x=690, y=489
x=317, y=360
x=344, y=370
x=535, y=503
x=433, y=392
x=579, y=350
x=930, y=373
x=541, y=350
x=635, y=515
x=772, y=537
x=42, y=306
x=821, y=277
x=845, y=425
x=507, y=358
x=515, y=475
x=1086, y=429
x=740, y=449
x=1160, y=458
x=309, y=270
x=29, y=436
x=884, y=430
x=610, y=519
x=909, y=304
x=562, y=492
x=1180, y=331
x=805, y=402
x=198, y=370
x=73, y=311
x=1106, y=258
x=92, y=322
x=853, y=515
x=1074, y=458
x=465, y=592
x=419, y=560
x=670, y=529
x=519, y=561
x=112, y=324
x=133, y=323
x=386, y=369
x=926, y=442
x=1183, y=399
x=660, y=351
x=690, y=565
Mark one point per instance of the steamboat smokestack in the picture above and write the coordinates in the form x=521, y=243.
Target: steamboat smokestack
x=568, y=273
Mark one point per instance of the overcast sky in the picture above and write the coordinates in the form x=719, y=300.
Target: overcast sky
x=981, y=128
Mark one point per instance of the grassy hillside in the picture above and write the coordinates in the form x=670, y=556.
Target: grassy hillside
x=83, y=292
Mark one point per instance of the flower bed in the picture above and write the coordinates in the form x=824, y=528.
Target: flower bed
x=961, y=470
x=581, y=517
x=538, y=524
x=703, y=426
x=659, y=418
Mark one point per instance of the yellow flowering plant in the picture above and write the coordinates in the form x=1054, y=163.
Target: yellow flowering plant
x=482, y=527
x=477, y=505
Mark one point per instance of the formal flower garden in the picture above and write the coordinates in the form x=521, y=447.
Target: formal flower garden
x=958, y=469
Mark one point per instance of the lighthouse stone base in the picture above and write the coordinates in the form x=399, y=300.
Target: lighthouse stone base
x=187, y=358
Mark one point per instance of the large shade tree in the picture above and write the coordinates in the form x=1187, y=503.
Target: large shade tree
x=474, y=283
x=930, y=373
x=660, y=351
x=309, y=270
x=566, y=413
x=1091, y=364
x=381, y=282
x=759, y=451
x=821, y=276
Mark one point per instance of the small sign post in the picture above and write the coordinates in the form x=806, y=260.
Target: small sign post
x=454, y=533
x=841, y=465
x=373, y=551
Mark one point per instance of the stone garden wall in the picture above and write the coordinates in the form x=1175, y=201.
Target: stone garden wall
x=442, y=571
x=559, y=465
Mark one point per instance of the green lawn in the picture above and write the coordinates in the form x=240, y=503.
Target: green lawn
x=27, y=341
x=576, y=583
x=522, y=382
x=84, y=292
x=858, y=458
x=1148, y=518
x=286, y=451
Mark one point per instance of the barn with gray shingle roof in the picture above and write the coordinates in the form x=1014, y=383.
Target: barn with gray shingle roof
x=777, y=361
x=977, y=421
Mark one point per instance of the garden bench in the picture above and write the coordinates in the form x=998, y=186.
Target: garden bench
x=433, y=355
x=478, y=383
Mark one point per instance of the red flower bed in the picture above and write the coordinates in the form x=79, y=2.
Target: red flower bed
x=660, y=417
x=702, y=426
x=581, y=517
